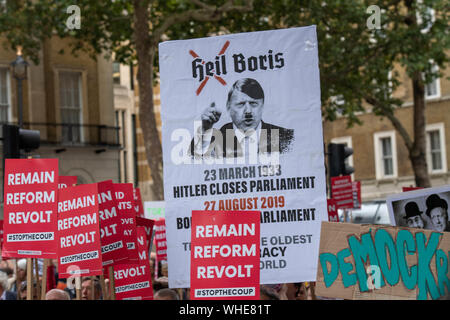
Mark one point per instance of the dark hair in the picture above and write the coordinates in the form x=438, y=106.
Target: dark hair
x=8, y=271
x=166, y=292
x=97, y=285
x=269, y=292
x=298, y=286
x=434, y=201
x=23, y=285
x=249, y=86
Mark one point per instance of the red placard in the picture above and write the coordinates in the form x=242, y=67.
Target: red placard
x=225, y=255
x=114, y=250
x=1, y=234
x=79, y=249
x=138, y=207
x=356, y=187
x=161, y=240
x=124, y=197
x=406, y=189
x=333, y=215
x=30, y=208
x=134, y=281
x=66, y=181
x=148, y=227
x=342, y=191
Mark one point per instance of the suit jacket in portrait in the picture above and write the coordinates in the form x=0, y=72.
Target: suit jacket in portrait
x=268, y=141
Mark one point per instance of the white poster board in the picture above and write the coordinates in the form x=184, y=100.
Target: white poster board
x=278, y=170
x=424, y=208
x=154, y=210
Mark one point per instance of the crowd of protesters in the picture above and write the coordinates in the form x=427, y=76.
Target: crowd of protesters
x=13, y=285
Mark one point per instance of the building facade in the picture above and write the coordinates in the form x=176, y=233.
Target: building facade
x=380, y=156
x=134, y=167
x=69, y=99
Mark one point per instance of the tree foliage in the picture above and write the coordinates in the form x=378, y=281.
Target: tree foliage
x=359, y=66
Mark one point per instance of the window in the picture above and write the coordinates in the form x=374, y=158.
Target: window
x=131, y=77
x=121, y=121
x=3, y=6
x=433, y=88
x=385, y=155
x=426, y=16
x=5, y=96
x=116, y=72
x=436, y=154
x=339, y=102
x=71, y=106
x=118, y=140
x=125, y=144
x=135, y=153
x=383, y=88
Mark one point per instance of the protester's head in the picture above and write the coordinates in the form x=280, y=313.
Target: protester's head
x=3, y=263
x=437, y=211
x=3, y=282
x=160, y=283
x=166, y=294
x=23, y=290
x=413, y=215
x=311, y=290
x=87, y=286
x=9, y=272
x=186, y=294
x=57, y=294
x=152, y=265
x=164, y=269
x=22, y=269
x=245, y=103
x=301, y=293
x=268, y=293
x=291, y=291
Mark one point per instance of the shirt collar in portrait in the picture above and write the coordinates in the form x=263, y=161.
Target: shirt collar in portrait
x=252, y=134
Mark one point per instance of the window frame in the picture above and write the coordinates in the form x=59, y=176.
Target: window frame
x=8, y=91
x=83, y=99
x=440, y=127
x=419, y=18
x=378, y=154
x=436, y=80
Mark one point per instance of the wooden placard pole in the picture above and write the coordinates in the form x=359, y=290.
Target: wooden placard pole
x=92, y=288
x=78, y=288
x=29, y=279
x=44, y=278
x=37, y=289
x=16, y=269
x=112, y=284
x=102, y=283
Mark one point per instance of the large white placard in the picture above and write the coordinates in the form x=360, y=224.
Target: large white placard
x=242, y=130
x=154, y=210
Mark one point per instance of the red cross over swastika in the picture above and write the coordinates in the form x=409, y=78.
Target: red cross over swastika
x=218, y=78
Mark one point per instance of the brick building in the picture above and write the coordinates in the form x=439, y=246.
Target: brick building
x=133, y=160
x=69, y=99
x=380, y=157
